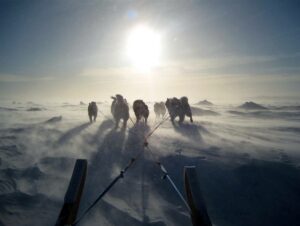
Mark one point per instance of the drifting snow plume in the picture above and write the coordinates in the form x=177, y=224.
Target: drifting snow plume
x=35, y=109
x=238, y=161
x=54, y=119
x=201, y=112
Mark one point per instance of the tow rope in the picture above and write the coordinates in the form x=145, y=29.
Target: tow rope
x=156, y=127
x=122, y=173
x=106, y=117
x=167, y=176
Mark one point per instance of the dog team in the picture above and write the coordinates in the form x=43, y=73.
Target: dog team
x=120, y=109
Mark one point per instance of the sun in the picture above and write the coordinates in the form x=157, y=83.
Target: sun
x=144, y=48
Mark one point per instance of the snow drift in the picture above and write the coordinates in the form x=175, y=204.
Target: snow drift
x=248, y=166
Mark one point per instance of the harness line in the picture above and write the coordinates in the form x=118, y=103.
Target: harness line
x=131, y=120
x=156, y=127
x=121, y=175
x=167, y=176
x=104, y=115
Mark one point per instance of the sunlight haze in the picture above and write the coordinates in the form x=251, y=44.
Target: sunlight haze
x=201, y=49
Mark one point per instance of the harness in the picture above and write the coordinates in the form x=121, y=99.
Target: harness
x=129, y=165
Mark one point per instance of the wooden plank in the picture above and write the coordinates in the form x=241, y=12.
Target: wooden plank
x=72, y=199
x=195, y=200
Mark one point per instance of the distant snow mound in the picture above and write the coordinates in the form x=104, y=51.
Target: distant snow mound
x=205, y=102
x=7, y=109
x=54, y=119
x=201, y=112
x=252, y=106
x=35, y=109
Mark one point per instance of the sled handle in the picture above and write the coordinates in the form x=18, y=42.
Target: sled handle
x=71, y=204
x=195, y=200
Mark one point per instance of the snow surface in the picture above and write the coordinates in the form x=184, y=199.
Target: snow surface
x=248, y=165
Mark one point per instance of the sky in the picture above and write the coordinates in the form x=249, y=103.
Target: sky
x=218, y=50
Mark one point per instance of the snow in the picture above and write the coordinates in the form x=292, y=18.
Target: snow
x=248, y=165
x=252, y=106
x=205, y=102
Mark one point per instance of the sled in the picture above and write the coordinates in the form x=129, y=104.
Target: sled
x=68, y=213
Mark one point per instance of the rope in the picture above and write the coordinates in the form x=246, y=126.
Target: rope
x=166, y=176
x=156, y=127
x=131, y=120
x=122, y=172
x=151, y=132
x=103, y=114
x=121, y=175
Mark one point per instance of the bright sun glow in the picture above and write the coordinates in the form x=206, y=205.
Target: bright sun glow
x=143, y=48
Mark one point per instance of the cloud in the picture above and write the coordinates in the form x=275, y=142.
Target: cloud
x=22, y=78
x=213, y=68
x=202, y=64
x=105, y=72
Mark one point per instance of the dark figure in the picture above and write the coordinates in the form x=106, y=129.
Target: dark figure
x=92, y=111
x=186, y=107
x=140, y=110
x=159, y=109
x=179, y=107
x=120, y=110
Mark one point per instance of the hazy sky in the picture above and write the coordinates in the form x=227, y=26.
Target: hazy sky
x=226, y=49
